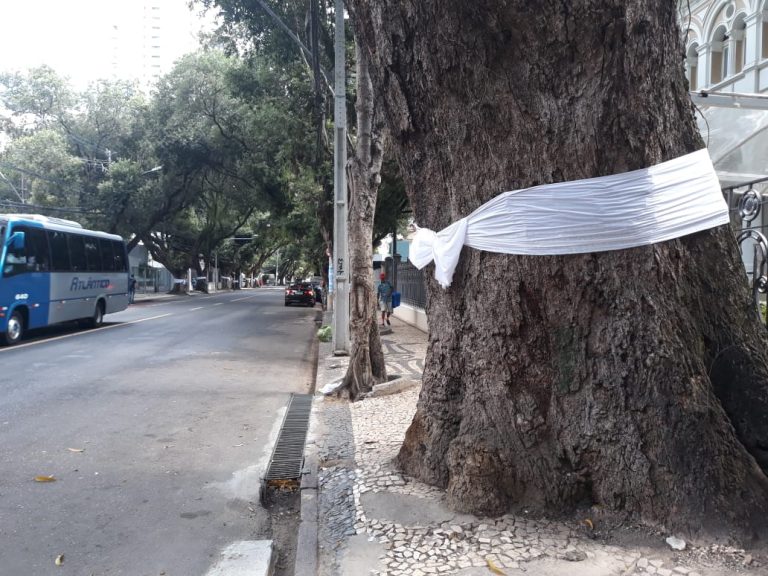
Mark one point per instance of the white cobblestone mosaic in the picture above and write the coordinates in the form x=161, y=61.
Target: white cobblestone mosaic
x=507, y=544
x=358, y=452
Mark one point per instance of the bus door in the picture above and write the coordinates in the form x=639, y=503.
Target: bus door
x=26, y=274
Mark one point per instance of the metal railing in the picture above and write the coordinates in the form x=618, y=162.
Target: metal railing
x=745, y=203
x=411, y=285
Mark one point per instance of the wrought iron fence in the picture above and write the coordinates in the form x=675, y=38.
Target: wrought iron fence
x=745, y=203
x=410, y=284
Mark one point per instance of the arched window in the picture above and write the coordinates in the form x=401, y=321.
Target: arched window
x=719, y=62
x=738, y=30
x=764, y=52
x=692, y=65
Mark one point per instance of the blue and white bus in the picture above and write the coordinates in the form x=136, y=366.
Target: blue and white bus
x=54, y=270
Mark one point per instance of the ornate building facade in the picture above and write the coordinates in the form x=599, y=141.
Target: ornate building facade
x=726, y=61
x=726, y=44
x=726, y=57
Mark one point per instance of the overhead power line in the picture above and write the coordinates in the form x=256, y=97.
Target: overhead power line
x=21, y=205
x=31, y=173
x=65, y=187
x=12, y=186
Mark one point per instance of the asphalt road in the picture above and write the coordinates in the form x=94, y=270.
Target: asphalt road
x=156, y=428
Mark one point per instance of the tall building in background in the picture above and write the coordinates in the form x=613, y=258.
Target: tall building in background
x=88, y=40
x=148, y=36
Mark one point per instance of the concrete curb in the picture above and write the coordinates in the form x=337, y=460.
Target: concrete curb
x=306, y=543
x=307, y=553
x=245, y=558
x=149, y=298
x=393, y=387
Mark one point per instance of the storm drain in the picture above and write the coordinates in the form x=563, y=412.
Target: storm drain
x=284, y=471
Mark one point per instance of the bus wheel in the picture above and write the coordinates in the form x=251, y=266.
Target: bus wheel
x=15, y=329
x=98, y=315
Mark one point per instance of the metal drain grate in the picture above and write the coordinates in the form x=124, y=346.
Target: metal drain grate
x=285, y=465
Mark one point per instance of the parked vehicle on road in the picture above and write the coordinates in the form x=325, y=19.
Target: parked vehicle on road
x=300, y=293
x=54, y=270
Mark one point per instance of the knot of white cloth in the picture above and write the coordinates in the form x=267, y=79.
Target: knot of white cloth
x=443, y=247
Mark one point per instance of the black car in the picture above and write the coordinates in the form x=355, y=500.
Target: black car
x=301, y=293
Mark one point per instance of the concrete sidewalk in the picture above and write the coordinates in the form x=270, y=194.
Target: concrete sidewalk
x=360, y=515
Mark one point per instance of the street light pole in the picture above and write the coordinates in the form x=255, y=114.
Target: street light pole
x=341, y=299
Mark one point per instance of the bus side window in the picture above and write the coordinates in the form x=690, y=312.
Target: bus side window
x=59, y=251
x=93, y=257
x=37, y=250
x=77, y=253
x=107, y=255
x=120, y=263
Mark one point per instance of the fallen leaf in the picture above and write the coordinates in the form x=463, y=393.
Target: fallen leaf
x=76, y=449
x=588, y=523
x=59, y=560
x=45, y=479
x=493, y=568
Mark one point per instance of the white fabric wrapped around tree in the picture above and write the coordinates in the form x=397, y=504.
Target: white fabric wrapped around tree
x=666, y=201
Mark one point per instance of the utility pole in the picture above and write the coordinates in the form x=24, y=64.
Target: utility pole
x=341, y=299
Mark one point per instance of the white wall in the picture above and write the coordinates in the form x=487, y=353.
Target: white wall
x=413, y=316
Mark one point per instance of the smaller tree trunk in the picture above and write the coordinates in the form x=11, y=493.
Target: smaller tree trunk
x=366, y=365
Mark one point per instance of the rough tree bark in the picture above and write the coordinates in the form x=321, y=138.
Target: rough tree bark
x=366, y=364
x=637, y=379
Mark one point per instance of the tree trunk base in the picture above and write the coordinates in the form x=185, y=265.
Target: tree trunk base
x=366, y=367
x=177, y=289
x=634, y=404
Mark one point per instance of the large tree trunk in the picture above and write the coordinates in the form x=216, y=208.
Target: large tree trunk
x=635, y=379
x=366, y=364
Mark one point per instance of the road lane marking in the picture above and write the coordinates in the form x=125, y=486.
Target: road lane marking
x=243, y=298
x=163, y=301
x=82, y=333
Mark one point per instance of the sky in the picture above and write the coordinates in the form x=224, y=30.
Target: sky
x=82, y=39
